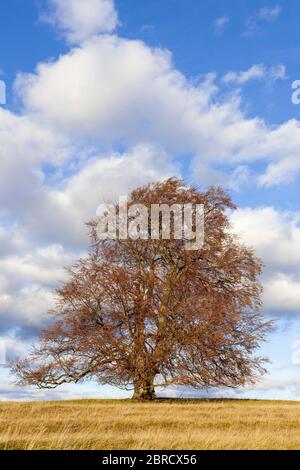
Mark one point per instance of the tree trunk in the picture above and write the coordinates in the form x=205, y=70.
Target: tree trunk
x=144, y=390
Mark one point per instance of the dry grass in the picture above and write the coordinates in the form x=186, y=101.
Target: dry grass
x=166, y=424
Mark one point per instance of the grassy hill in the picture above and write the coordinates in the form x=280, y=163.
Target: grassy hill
x=164, y=424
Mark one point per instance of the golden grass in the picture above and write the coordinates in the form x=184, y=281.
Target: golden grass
x=162, y=425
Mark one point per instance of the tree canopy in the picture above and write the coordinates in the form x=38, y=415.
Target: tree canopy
x=139, y=314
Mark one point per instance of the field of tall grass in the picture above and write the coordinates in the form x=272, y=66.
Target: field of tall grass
x=162, y=425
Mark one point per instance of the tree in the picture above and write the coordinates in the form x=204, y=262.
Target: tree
x=146, y=313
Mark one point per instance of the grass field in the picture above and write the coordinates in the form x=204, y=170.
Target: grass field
x=166, y=424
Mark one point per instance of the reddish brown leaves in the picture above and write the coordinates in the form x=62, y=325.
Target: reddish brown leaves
x=148, y=312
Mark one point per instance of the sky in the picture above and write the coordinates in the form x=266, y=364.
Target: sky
x=104, y=96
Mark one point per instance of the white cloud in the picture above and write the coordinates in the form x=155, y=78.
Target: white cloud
x=25, y=147
x=256, y=22
x=79, y=20
x=126, y=93
x=59, y=213
x=27, y=307
x=269, y=13
x=275, y=236
x=220, y=25
x=231, y=180
x=50, y=233
x=41, y=265
x=28, y=276
x=277, y=72
x=282, y=292
x=108, y=178
x=122, y=87
x=256, y=72
x=284, y=382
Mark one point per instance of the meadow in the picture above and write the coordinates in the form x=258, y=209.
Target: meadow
x=161, y=425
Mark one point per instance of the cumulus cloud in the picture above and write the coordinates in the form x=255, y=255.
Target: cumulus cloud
x=25, y=147
x=275, y=236
x=59, y=213
x=123, y=90
x=43, y=265
x=79, y=20
x=126, y=92
x=108, y=178
x=27, y=308
x=29, y=275
x=282, y=293
x=50, y=233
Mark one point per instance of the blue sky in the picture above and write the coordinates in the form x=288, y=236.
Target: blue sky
x=103, y=96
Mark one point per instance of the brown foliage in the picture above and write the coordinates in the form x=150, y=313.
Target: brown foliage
x=146, y=313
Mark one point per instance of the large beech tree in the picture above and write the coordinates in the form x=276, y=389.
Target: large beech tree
x=139, y=314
